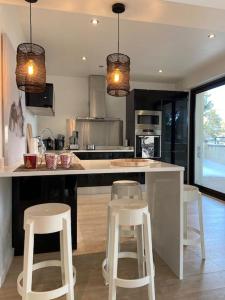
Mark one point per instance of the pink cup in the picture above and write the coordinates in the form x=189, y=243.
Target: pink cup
x=66, y=160
x=51, y=160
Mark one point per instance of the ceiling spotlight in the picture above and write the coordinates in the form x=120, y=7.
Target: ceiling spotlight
x=160, y=71
x=84, y=58
x=211, y=35
x=94, y=21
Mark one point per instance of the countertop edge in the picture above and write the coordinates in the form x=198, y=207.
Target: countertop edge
x=93, y=167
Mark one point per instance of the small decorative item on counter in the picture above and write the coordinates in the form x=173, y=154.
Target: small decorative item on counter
x=51, y=160
x=49, y=143
x=59, y=142
x=30, y=161
x=66, y=160
x=90, y=147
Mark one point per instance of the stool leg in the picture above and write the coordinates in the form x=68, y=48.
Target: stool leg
x=201, y=226
x=107, y=244
x=185, y=221
x=140, y=250
x=28, y=260
x=149, y=256
x=113, y=255
x=62, y=258
x=68, y=261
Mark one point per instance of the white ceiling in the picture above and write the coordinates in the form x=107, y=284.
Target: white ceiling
x=220, y=4
x=156, y=34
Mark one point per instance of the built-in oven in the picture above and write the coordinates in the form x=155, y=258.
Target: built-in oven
x=148, y=146
x=148, y=119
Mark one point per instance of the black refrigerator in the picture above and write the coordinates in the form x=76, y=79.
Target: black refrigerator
x=174, y=140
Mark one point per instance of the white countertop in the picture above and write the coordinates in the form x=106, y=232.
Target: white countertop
x=93, y=167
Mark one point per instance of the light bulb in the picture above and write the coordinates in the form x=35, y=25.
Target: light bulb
x=30, y=67
x=116, y=76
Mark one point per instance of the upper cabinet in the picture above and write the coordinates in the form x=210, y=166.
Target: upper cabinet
x=42, y=103
x=152, y=99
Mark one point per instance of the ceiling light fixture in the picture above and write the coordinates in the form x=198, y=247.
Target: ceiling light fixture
x=211, y=35
x=160, y=71
x=30, y=69
x=118, y=65
x=84, y=58
x=95, y=21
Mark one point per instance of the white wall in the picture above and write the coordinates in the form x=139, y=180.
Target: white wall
x=203, y=74
x=9, y=26
x=71, y=100
x=6, y=251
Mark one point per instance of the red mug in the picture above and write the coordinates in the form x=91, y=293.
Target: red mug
x=51, y=160
x=30, y=161
x=66, y=160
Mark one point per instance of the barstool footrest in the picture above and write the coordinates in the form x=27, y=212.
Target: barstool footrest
x=132, y=283
x=193, y=241
x=120, y=255
x=193, y=229
x=59, y=292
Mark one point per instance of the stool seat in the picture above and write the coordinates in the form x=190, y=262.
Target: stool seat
x=47, y=209
x=46, y=218
x=125, y=182
x=190, y=188
x=130, y=189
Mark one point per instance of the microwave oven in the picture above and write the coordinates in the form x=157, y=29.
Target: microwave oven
x=148, y=121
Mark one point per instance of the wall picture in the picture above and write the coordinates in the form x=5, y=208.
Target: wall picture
x=13, y=106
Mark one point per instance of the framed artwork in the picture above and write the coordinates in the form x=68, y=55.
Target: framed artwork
x=13, y=107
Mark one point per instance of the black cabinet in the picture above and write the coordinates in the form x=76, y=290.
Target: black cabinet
x=41, y=103
x=33, y=190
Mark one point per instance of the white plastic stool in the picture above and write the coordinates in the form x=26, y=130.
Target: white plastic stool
x=126, y=191
x=191, y=194
x=128, y=213
x=44, y=219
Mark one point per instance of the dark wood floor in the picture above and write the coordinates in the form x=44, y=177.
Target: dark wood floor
x=203, y=280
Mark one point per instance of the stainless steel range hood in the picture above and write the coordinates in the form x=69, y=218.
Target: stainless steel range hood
x=97, y=107
x=97, y=128
x=97, y=101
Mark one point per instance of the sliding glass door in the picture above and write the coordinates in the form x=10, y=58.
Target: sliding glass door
x=208, y=137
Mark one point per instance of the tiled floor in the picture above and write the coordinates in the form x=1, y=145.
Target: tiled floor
x=203, y=280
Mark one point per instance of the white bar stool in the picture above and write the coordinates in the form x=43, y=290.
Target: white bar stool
x=128, y=213
x=191, y=194
x=126, y=191
x=44, y=219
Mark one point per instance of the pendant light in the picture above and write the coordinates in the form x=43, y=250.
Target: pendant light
x=30, y=69
x=118, y=65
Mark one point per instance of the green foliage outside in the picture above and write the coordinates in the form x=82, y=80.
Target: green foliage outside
x=214, y=125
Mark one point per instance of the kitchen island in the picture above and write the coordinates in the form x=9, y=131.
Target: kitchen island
x=163, y=184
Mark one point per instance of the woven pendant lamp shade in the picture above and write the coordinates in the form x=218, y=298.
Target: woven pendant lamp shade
x=30, y=70
x=118, y=74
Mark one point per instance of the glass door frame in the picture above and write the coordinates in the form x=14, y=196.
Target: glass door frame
x=210, y=85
